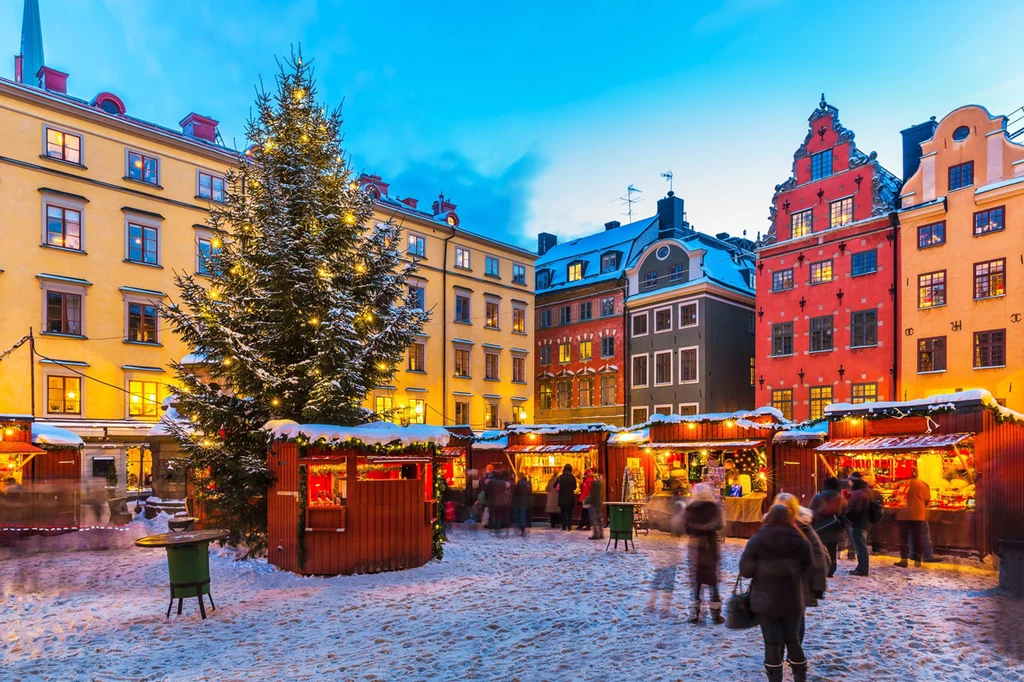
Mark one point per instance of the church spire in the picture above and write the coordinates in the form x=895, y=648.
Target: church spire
x=31, y=42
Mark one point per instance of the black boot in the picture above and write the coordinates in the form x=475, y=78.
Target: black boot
x=716, y=613
x=774, y=672
x=695, y=620
x=799, y=671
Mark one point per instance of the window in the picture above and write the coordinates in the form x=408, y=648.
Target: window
x=663, y=368
x=518, y=274
x=607, y=306
x=142, y=399
x=564, y=393
x=961, y=133
x=575, y=271
x=821, y=396
x=518, y=414
x=931, y=235
x=518, y=369
x=688, y=365
x=545, y=395
x=418, y=296
x=782, y=338
x=565, y=315
x=664, y=410
x=675, y=273
x=931, y=289
x=821, y=333
x=461, y=258
x=143, y=244
x=651, y=279
x=142, y=323
x=753, y=371
x=462, y=362
x=864, y=393
x=782, y=280
x=63, y=395
x=519, y=320
x=63, y=146
x=801, y=223
x=586, y=392
x=462, y=410
x=821, y=272
x=63, y=227
x=491, y=366
x=990, y=279
x=689, y=409
x=383, y=405
x=990, y=348
x=961, y=175
x=782, y=400
x=639, y=415
x=609, y=389
x=544, y=353
x=462, y=309
x=586, y=350
x=608, y=347
x=418, y=357
x=417, y=245
x=821, y=165
x=492, y=267
x=417, y=413
x=609, y=261
x=543, y=279
x=143, y=168
x=544, y=319
x=663, y=320
x=565, y=352
x=491, y=314
x=687, y=315
x=864, y=328
x=639, y=371
x=640, y=324
x=63, y=313
x=864, y=262
x=211, y=187
x=491, y=415
x=991, y=220
x=586, y=311
x=841, y=212
x=931, y=354
x=206, y=250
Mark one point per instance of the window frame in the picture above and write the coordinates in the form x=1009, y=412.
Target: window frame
x=492, y=321
x=609, y=262
x=461, y=406
x=545, y=395
x=650, y=280
x=796, y=220
x=604, y=300
x=145, y=410
x=564, y=315
x=1001, y=210
x=853, y=328
x=463, y=258
x=589, y=345
x=564, y=352
x=792, y=280
x=587, y=306
x=990, y=345
x=831, y=331
x=988, y=277
x=932, y=287
x=862, y=399
x=933, y=352
x=492, y=361
x=467, y=352
x=612, y=340
x=64, y=206
x=696, y=365
x=781, y=337
x=47, y=127
x=64, y=308
x=418, y=240
x=518, y=273
x=931, y=229
x=614, y=389
x=132, y=219
x=589, y=379
x=671, y=321
x=696, y=314
x=544, y=354
x=466, y=306
x=781, y=403
x=632, y=324
x=518, y=369
x=200, y=172
x=818, y=160
x=820, y=267
x=633, y=415
x=676, y=273
x=566, y=384
x=488, y=262
x=958, y=167
x=518, y=319
x=143, y=303
x=417, y=359
x=817, y=403
x=684, y=409
x=143, y=157
x=544, y=318
x=47, y=376
x=421, y=293
x=669, y=376
x=842, y=212
x=863, y=254
x=647, y=370
x=574, y=271
x=205, y=235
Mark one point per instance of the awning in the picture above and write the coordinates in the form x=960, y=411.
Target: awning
x=453, y=452
x=707, y=445
x=13, y=448
x=894, y=443
x=550, y=449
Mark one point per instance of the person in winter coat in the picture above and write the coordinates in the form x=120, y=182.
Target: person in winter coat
x=595, y=503
x=551, y=505
x=566, y=495
x=702, y=519
x=858, y=513
x=778, y=559
x=828, y=512
x=522, y=501
x=817, y=578
x=588, y=478
x=913, y=520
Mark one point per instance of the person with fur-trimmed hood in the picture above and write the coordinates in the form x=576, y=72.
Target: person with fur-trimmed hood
x=702, y=519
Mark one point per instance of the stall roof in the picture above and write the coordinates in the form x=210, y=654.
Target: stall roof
x=491, y=444
x=549, y=449
x=945, y=402
x=638, y=437
x=13, y=448
x=707, y=445
x=374, y=433
x=453, y=451
x=744, y=416
x=552, y=429
x=894, y=443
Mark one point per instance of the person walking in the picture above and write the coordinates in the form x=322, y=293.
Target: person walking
x=702, y=519
x=588, y=477
x=595, y=502
x=522, y=500
x=858, y=513
x=777, y=559
x=551, y=504
x=816, y=580
x=828, y=509
x=913, y=519
x=566, y=495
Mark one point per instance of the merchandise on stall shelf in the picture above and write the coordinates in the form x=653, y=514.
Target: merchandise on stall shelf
x=328, y=486
x=539, y=467
x=731, y=468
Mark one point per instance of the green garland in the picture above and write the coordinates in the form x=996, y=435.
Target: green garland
x=440, y=487
x=926, y=411
x=301, y=530
x=358, y=446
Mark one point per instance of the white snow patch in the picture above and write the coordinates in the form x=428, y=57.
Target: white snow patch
x=942, y=401
x=494, y=444
x=374, y=433
x=48, y=434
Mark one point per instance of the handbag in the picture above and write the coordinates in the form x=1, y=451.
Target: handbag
x=829, y=524
x=738, y=615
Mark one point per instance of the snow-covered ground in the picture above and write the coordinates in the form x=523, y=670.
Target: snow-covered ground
x=552, y=606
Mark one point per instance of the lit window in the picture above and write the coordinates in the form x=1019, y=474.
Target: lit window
x=864, y=393
x=990, y=348
x=462, y=258
x=782, y=400
x=205, y=254
x=518, y=414
x=821, y=272
x=492, y=266
x=518, y=370
x=991, y=220
x=801, y=223
x=544, y=395
x=564, y=394
x=586, y=350
x=931, y=235
x=841, y=212
x=142, y=399
x=931, y=354
x=63, y=146
x=782, y=280
x=63, y=395
x=753, y=371
x=143, y=241
x=211, y=187
x=143, y=168
x=565, y=352
x=518, y=321
x=821, y=397
x=491, y=366
x=417, y=413
x=575, y=272
x=491, y=314
x=383, y=405
x=990, y=279
x=491, y=415
x=821, y=165
x=586, y=392
x=418, y=357
x=931, y=289
x=462, y=362
x=417, y=245
x=63, y=313
x=961, y=175
x=63, y=227
x=142, y=324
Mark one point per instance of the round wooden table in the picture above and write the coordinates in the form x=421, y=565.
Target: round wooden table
x=188, y=563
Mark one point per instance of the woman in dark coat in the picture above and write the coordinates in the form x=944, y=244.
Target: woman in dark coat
x=828, y=509
x=702, y=519
x=778, y=559
x=566, y=495
x=522, y=501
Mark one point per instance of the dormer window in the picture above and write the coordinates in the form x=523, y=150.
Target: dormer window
x=651, y=279
x=543, y=279
x=575, y=272
x=609, y=262
x=821, y=165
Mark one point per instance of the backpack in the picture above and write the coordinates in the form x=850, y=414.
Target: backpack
x=875, y=511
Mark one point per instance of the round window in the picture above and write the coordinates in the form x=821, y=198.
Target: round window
x=662, y=252
x=961, y=133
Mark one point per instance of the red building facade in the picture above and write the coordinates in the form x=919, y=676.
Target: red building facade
x=826, y=307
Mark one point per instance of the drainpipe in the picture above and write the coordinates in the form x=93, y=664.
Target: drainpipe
x=444, y=329
x=626, y=350
x=895, y=222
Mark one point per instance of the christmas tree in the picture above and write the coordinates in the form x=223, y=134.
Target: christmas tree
x=305, y=309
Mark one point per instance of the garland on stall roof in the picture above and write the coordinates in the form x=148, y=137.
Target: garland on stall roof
x=440, y=488
x=1002, y=414
x=358, y=446
x=301, y=530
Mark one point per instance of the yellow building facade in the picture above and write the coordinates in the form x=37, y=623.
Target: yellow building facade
x=960, y=260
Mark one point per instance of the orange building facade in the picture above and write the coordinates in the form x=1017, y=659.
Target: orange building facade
x=961, y=297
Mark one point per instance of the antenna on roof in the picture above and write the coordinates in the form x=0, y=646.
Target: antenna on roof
x=628, y=200
x=668, y=176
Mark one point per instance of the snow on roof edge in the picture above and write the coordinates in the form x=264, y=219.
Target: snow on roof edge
x=374, y=433
x=941, y=401
x=48, y=434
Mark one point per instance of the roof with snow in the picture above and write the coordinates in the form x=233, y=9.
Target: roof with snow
x=48, y=434
x=945, y=402
x=374, y=433
x=552, y=429
x=724, y=264
x=741, y=415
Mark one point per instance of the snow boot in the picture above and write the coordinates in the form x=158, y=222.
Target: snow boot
x=696, y=619
x=774, y=672
x=902, y=563
x=799, y=671
x=716, y=613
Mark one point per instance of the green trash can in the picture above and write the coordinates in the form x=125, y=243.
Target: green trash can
x=188, y=564
x=620, y=524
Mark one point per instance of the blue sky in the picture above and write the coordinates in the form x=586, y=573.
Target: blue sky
x=535, y=116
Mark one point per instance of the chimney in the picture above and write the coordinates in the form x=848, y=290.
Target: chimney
x=912, y=139
x=53, y=80
x=199, y=127
x=671, y=218
x=611, y=225
x=442, y=206
x=18, y=60
x=410, y=202
x=545, y=242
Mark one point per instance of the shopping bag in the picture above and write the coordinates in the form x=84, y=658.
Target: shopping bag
x=738, y=615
